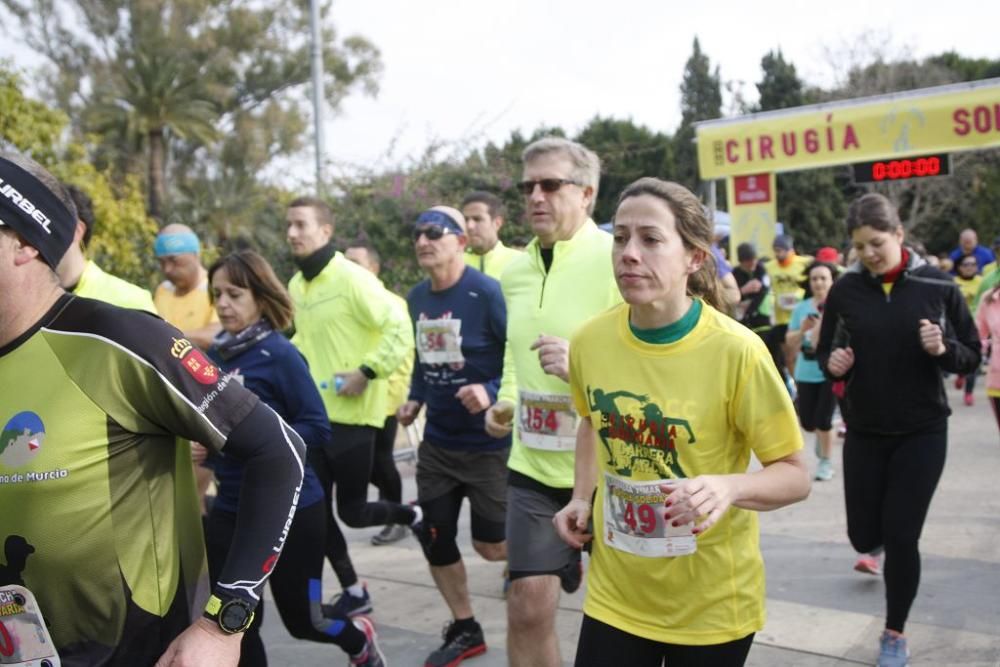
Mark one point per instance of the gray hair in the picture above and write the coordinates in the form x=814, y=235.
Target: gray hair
x=586, y=164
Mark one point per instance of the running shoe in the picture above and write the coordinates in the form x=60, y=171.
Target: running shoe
x=868, y=564
x=394, y=532
x=372, y=656
x=345, y=604
x=892, y=650
x=571, y=575
x=458, y=645
x=970, y=400
x=824, y=471
x=959, y=381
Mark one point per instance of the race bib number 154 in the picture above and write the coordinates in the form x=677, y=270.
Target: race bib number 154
x=546, y=421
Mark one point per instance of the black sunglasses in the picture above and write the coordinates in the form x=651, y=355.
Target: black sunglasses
x=432, y=232
x=548, y=185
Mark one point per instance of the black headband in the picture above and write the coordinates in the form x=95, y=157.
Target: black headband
x=31, y=210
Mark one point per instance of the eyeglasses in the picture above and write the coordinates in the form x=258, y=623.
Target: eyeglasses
x=432, y=232
x=548, y=185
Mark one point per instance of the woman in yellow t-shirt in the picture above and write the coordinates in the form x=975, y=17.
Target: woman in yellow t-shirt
x=968, y=279
x=673, y=397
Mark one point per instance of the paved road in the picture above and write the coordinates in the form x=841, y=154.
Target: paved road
x=820, y=612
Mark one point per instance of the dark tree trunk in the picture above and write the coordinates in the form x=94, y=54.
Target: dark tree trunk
x=157, y=187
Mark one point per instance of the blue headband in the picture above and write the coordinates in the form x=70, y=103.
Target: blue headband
x=176, y=244
x=29, y=208
x=441, y=219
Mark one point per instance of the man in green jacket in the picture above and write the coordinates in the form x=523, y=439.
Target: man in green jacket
x=484, y=216
x=564, y=278
x=354, y=337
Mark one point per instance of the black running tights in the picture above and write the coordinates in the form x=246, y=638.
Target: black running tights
x=385, y=476
x=347, y=465
x=295, y=583
x=601, y=644
x=888, y=485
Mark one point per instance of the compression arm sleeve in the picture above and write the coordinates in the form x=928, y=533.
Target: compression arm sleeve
x=273, y=457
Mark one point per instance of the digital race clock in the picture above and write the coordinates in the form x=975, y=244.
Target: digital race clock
x=921, y=166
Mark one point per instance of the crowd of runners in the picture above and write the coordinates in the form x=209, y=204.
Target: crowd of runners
x=561, y=389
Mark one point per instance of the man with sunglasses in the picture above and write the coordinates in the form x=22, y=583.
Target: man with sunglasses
x=460, y=324
x=484, y=216
x=354, y=337
x=564, y=278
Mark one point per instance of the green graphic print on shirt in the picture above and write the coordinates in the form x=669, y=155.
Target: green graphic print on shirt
x=637, y=436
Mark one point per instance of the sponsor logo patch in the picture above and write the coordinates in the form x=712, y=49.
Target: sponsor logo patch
x=21, y=439
x=194, y=362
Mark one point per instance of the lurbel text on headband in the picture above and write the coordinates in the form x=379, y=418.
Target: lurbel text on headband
x=34, y=212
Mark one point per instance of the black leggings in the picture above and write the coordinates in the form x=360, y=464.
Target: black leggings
x=601, y=644
x=296, y=584
x=385, y=476
x=347, y=463
x=815, y=404
x=888, y=485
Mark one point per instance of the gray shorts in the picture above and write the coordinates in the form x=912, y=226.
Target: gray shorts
x=479, y=476
x=533, y=546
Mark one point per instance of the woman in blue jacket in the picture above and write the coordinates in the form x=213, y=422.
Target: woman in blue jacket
x=253, y=307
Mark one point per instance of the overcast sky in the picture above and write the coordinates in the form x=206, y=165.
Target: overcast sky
x=465, y=71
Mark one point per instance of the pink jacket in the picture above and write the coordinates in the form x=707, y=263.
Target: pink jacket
x=988, y=325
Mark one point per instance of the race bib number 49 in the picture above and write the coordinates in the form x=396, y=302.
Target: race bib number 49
x=24, y=639
x=546, y=421
x=440, y=341
x=634, y=523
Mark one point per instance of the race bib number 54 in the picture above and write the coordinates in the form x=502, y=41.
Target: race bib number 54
x=440, y=341
x=634, y=523
x=24, y=639
x=546, y=421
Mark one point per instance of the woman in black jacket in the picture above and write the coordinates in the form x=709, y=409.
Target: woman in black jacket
x=892, y=325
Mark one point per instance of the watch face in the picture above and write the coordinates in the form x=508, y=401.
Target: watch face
x=234, y=616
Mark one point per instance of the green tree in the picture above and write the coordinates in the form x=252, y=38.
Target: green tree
x=175, y=68
x=157, y=95
x=780, y=86
x=810, y=203
x=701, y=99
x=628, y=152
x=935, y=210
x=123, y=236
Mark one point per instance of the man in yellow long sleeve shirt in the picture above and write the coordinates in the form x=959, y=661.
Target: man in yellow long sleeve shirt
x=353, y=337
x=83, y=277
x=484, y=216
x=564, y=278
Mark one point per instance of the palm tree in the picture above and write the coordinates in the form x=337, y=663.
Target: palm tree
x=155, y=93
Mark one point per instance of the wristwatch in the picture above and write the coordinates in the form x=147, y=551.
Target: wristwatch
x=367, y=372
x=232, y=615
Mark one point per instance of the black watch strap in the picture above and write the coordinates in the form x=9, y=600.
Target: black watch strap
x=367, y=372
x=232, y=615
